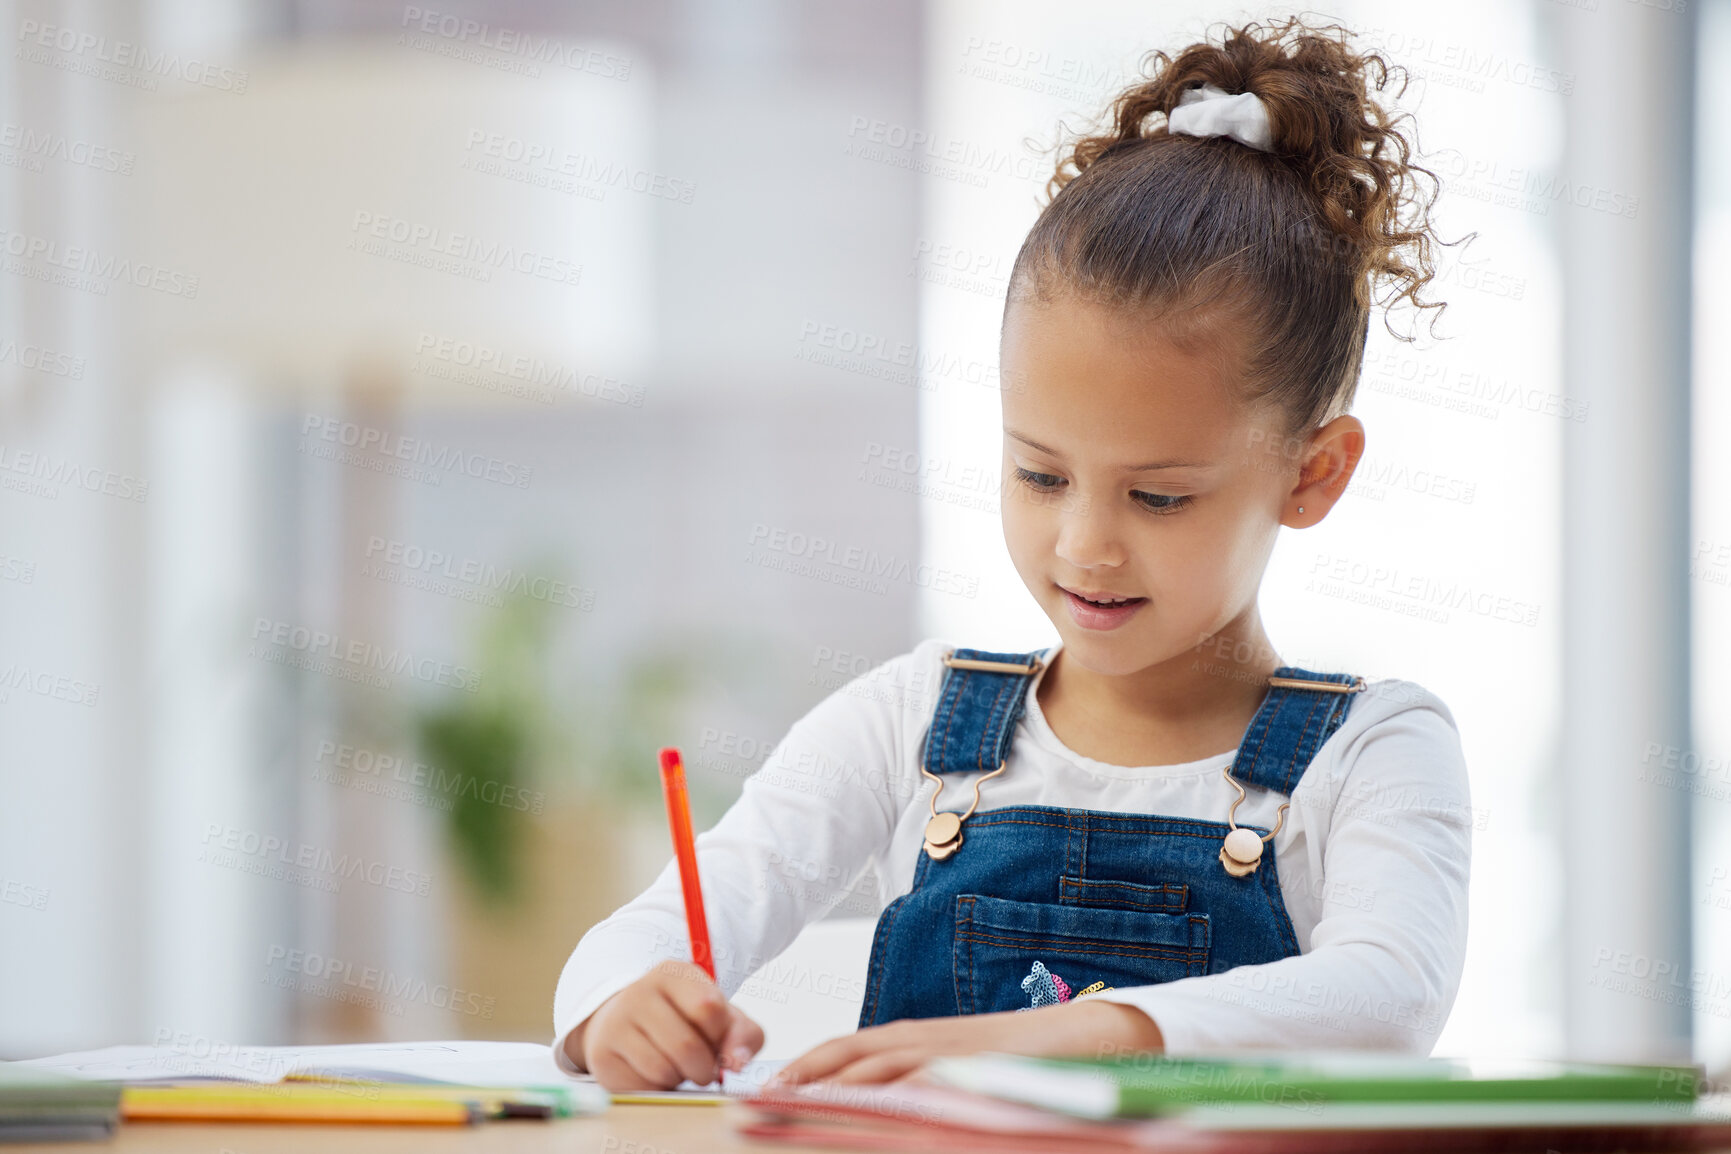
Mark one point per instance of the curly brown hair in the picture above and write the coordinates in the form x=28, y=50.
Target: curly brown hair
x=1290, y=245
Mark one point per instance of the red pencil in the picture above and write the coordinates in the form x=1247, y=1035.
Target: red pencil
x=679, y=821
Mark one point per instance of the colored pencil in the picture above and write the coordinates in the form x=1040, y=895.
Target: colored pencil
x=245, y=1102
x=679, y=821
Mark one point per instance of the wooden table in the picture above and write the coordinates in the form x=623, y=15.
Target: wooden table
x=621, y=1130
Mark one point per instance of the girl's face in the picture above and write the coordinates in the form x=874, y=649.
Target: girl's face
x=1132, y=471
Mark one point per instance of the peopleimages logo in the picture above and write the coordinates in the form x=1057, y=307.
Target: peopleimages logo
x=39, y=145
x=417, y=450
x=438, y=248
x=29, y=356
x=362, y=656
x=510, y=43
x=80, y=261
x=328, y=977
x=410, y=565
x=539, y=379
x=359, y=767
x=861, y=563
x=124, y=54
x=227, y=845
x=583, y=168
x=41, y=682
x=54, y=471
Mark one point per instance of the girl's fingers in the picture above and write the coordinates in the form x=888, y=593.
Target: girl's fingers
x=885, y=1066
x=614, y=1073
x=690, y=1053
x=701, y=1002
x=824, y=1059
x=744, y=1038
x=646, y=1060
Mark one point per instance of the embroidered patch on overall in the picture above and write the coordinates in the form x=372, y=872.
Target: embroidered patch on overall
x=1044, y=987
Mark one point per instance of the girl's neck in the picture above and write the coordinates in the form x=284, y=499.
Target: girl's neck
x=1192, y=706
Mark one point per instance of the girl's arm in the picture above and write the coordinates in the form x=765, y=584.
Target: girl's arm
x=805, y=827
x=1383, y=962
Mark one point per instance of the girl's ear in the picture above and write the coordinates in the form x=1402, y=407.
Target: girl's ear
x=1330, y=456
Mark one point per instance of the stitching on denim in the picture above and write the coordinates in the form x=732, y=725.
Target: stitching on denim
x=932, y=756
x=1281, y=702
x=1334, y=707
x=973, y=977
x=1337, y=717
x=1207, y=947
x=1060, y=945
x=1296, y=759
x=955, y=947
x=1004, y=724
x=1075, y=857
x=1017, y=707
x=876, y=965
x=1058, y=941
x=1282, y=755
x=1017, y=933
x=1129, y=905
x=1171, y=891
x=993, y=726
x=1093, y=816
x=1104, y=816
x=997, y=721
x=984, y=923
x=1296, y=742
x=1260, y=725
x=1277, y=907
x=949, y=697
x=998, y=726
x=1204, y=834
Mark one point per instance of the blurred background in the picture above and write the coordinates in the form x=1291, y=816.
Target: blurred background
x=412, y=416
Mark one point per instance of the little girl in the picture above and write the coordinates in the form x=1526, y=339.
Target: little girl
x=1155, y=835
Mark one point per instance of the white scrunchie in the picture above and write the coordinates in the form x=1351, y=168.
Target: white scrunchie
x=1212, y=111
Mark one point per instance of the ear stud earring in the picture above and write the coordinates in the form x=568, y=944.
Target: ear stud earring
x=1301, y=508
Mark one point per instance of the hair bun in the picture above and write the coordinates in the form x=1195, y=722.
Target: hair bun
x=1351, y=154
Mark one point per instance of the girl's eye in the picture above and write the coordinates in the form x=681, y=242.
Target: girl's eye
x=1044, y=482
x=1160, y=502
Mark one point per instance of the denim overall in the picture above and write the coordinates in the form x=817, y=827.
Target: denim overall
x=1042, y=902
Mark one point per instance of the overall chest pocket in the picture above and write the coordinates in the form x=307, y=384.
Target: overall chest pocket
x=997, y=943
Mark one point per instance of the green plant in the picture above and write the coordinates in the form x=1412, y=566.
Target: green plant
x=599, y=741
x=485, y=744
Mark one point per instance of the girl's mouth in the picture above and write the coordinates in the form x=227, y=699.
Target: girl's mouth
x=1101, y=611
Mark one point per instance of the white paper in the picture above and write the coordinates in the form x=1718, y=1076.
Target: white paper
x=506, y=1064
x=750, y=1080
x=501, y=1064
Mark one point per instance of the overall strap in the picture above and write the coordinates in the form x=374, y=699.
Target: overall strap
x=1291, y=725
x=982, y=696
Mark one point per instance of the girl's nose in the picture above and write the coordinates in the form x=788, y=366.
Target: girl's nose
x=1088, y=537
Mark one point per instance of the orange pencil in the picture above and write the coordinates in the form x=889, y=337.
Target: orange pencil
x=679, y=821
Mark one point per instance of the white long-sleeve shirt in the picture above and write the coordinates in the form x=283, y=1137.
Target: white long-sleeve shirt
x=1372, y=858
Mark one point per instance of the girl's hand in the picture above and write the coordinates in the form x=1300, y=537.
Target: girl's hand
x=671, y=1024
x=886, y=1053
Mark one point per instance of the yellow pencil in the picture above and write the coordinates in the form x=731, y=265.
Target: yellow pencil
x=492, y=1101
x=653, y=1098
x=245, y=1102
